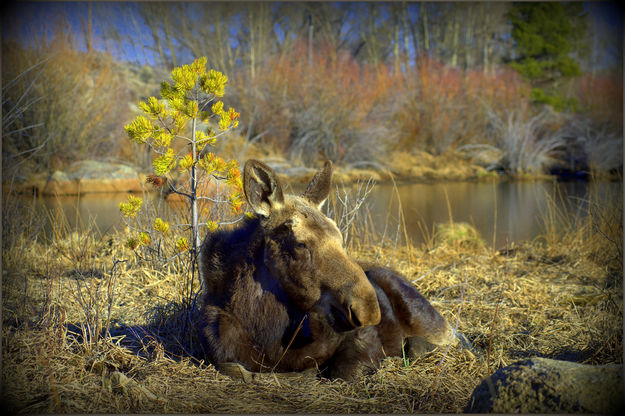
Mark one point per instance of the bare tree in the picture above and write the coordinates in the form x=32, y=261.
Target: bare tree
x=490, y=23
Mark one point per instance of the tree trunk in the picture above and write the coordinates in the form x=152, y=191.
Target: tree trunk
x=89, y=31
x=486, y=32
x=139, y=34
x=372, y=42
x=454, y=40
x=424, y=25
x=396, y=62
x=310, y=41
x=252, y=41
x=415, y=42
x=468, y=37
x=195, y=235
x=406, y=37
x=168, y=31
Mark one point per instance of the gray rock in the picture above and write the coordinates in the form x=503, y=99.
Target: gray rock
x=541, y=385
x=92, y=176
x=93, y=169
x=59, y=176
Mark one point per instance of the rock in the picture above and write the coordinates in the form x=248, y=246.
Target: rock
x=486, y=156
x=354, y=175
x=91, y=176
x=93, y=169
x=33, y=184
x=287, y=173
x=59, y=183
x=542, y=385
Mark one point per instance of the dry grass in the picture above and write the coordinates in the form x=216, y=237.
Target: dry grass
x=558, y=296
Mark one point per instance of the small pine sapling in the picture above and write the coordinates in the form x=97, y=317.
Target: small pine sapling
x=181, y=128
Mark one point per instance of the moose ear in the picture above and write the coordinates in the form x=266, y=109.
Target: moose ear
x=319, y=187
x=262, y=188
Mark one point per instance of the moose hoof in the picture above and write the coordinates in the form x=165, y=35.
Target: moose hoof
x=464, y=342
x=417, y=346
x=235, y=371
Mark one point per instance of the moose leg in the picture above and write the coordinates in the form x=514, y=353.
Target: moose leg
x=416, y=346
x=413, y=313
x=234, y=354
x=226, y=342
x=237, y=372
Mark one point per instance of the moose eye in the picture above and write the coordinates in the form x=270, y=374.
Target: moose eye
x=301, y=245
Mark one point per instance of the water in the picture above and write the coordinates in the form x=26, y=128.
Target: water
x=502, y=213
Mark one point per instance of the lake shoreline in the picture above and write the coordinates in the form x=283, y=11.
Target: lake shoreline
x=405, y=168
x=448, y=167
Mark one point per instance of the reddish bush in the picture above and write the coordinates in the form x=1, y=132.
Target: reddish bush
x=445, y=107
x=601, y=97
x=332, y=107
x=339, y=108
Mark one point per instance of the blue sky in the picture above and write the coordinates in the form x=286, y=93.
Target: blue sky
x=41, y=14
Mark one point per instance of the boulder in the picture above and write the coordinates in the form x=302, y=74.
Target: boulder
x=59, y=183
x=91, y=176
x=542, y=385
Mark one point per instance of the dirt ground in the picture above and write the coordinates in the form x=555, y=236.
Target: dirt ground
x=88, y=329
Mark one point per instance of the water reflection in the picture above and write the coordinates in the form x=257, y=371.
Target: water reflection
x=502, y=212
x=100, y=209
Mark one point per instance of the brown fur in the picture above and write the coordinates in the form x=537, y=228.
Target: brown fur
x=281, y=294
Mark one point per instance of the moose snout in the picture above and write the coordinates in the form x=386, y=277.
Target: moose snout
x=364, y=311
x=351, y=298
x=347, y=311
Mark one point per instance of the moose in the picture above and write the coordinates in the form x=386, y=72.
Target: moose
x=281, y=294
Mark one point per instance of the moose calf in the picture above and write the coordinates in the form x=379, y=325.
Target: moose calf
x=281, y=294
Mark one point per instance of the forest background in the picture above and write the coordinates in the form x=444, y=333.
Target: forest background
x=352, y=82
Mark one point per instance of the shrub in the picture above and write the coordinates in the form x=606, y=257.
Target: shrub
x=602, y=146
x=530, y=142
x=458, y=235
x=601, y=98
x=59, y=104
x=336, y=107
x=445, y=107
x=332, y=107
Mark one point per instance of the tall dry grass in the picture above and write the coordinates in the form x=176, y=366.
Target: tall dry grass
x=595, y=231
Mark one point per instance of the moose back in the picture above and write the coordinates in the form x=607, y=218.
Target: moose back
x=281, y=294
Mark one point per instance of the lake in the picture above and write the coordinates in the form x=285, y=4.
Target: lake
x=501, y=212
